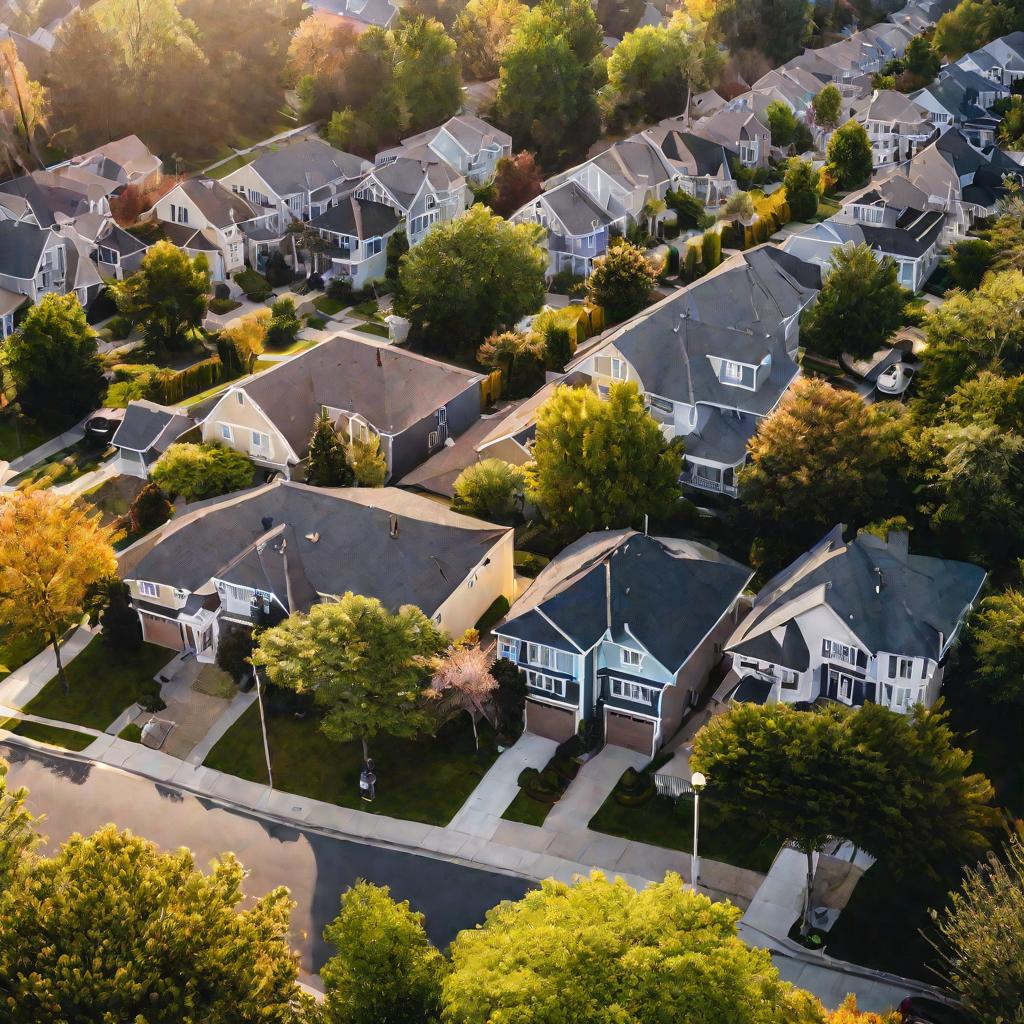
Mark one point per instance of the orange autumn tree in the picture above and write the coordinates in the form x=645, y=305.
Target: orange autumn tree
x=849, y=1014
x=52, y=554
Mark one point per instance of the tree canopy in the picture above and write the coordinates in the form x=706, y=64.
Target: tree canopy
x=621, y=281
x=197, y=471
x=849, y=155
x=491, y=489
x=601, y=463
x=781, y=123
x=827, y=106
x=482, y=30
x=328, y=464
x=997, y=632
x=802, y=188
x=969, y=25
x=517, y=180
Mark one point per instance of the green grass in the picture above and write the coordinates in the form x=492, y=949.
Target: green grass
x=19, y=436
x=222, y=306
x=367, y=310
x=103, y=682
x=316, y=323
x=526, y=810
x=65, y=738
x=378, y=330
x=298, y=345
x=17, y=647
x=827, y=207
x=660, y=822
x=426, y=779
x=229, y=166
x=64, y=466
x=209, y=393
x=131, y=732
x=329, y=306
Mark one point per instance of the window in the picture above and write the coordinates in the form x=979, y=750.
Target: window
x=900, y=698
x=900, y=668
x=149, y=589
x=240, y=397
x=260, y=440
x=790, y=678
x=225, y=432
x=372, y=246
x=618, y=369
x=632, y=691
x=629, y=658
x=508, y=649
x=432, y=439
x=546, y=684
x=661, y=404
x=732, y=371
x=179, y=214
x=548, y=657
x=844, y=685
x=836, y=651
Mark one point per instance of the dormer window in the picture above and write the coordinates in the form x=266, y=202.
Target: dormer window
x=630, y=658
x=732, y=371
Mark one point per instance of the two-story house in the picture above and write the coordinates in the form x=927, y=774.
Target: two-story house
x=714, y=358
x=959, y=97
x=700, y=168
x=855, y=622
x=740, y=130
x=412, y=403
x=466, y=142
x=1001, y=60
x=256, y=556
x=357, y=232
x=896, y=125
x=622, y=627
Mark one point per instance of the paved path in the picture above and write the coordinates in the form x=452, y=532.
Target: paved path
x=591, y=787
x=780, y=900
x=25, y=682
x=71, y=436
x=240, y=703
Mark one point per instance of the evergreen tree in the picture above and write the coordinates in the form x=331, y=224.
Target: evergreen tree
x=328, y=464
x=849, y=155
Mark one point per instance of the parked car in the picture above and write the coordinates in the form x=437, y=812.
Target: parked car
x=926, y=1010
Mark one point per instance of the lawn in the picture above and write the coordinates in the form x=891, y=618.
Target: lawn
x=425, y=780
x=17, y=647
x=19, y=435
x=329, y=306
x=298, y=345
x=66, y=465
x=526, y=810
x=131, y=732
x=113, y=497
x=367, y=310
x=65, y=738
x=229, y=166
x=378, y=330
x=660, y=822
x=103, y=683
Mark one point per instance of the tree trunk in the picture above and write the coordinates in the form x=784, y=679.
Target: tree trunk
x=366, y=749
x=805, y=925
x=476, y=737
x=55, y=641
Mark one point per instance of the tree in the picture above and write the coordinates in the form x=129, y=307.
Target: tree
x=22, y=112
x=966, y=27
x=491, y=489
x=367, y=666
x=1011, y=128
x=149, y=509
x=849, y=155
x=860, y=305
x=328, y=465
x=53, y=361
x=120, y=621
x=819, y=451
x=517, y=180
x=197, y=471
x=494, y=267
x=234, y=649
x=385, y=970
x=827, y=106
x=462, y=681
x=601, y=464
x=739, y=206
x=968, y=261
x=848, y=1013
x=284, y=324
x=546, y=93
x=781, y=123
x=997, y=631
x=109, y=928
x=482, y=29
x=426, y=73
x=398, y=246
x=368, y=462
x=987, y=398
x=510, y=697
x=572, y=953
x=16, y=835
x=741, y=23
x=981, y=938
x=922, y=61
x=802, y=188
x=520, y=357
x=52, y=554
x=621, y=281
x=167, y=296
x=248, y=336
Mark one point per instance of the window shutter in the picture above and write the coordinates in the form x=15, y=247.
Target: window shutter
x=924, y=668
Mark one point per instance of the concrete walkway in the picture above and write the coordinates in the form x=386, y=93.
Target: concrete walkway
x=779, y=902
x=591, y=787
x=25, y=682
x=240, y=703
x=71, y=436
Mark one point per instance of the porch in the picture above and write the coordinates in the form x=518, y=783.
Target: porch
x=710, y=478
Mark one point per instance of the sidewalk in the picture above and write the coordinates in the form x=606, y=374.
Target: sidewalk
x=44, y=451
x=25, y=682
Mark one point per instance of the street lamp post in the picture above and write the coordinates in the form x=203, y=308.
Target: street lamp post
x=263, y=726
x=698, y=782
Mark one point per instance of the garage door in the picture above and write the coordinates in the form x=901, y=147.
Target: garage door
x=163, y=632
x=546, y=720
x=629, y=732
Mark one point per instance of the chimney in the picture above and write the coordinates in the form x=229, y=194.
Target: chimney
x=393, y=525
x=267, y=522
x=898, y=542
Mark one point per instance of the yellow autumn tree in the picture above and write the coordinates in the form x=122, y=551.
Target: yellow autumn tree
x=849, y=1014
x=248, y=336
x=52, y=554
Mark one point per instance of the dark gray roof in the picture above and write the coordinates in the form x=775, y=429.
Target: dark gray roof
x=720, y=435
x=917, y=608
x=144, y=424
x=21, y=246
x=306, y=165
x=634, y=163
x=360, y=218
x=576, y=209
x=434, y=551
x=46, y=200
x=695, y=155
x=753, y=690
x=390, y=387
x=791, y=653
x=185, y=237
x=670, y=593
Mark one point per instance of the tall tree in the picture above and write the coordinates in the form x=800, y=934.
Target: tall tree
x=368, y=462
x=462, y=681
x=860, y=305
x=827, y=106
x=427, y=73
x=849, y=155
x=740, y=23
x=922, y=61
x=781, y=123
x=23, y=110
x=482, y=29
x=109, y=928
x=602, y=952
x=52, y=554
x=494, y=267
x=385, y=970
x=53, y=361
x=248, y=337
x=167, y=296
x=517, y=180
x=601, y=464
x=801, y=183
x=621, y=281
x=367, y=666
x=997, y=632
x=969, y=25
x=328, y=465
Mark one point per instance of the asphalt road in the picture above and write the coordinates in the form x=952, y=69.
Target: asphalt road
x=77, y=797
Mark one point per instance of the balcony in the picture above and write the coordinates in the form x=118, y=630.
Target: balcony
x=703, y=483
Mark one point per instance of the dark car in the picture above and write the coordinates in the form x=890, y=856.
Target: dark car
x=103, y=424
x=925, y=1010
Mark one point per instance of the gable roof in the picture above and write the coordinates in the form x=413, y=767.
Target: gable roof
x=576, y=209
x=145, y=423
x=307, y=165
x=391, y=388
x=666, y=593
x=730, y=126
x=21, y=246
x=359, y=218
x=691, y=154
x=220, y=206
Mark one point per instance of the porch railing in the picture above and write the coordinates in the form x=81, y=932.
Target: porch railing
x=703, y=483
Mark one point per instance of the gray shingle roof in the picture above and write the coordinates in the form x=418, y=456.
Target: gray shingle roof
x=307, y=165
x=669, y=592
x=145, y=422
x=694, y=155
x=360, y=218
x=21, y=246
x=576, y=209
x=219, y=205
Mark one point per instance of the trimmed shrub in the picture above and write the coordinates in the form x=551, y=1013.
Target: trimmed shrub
x=222, y=306
x=528, y=777
x=690, y=263
x=233, y=648
x=315, y=282
x=119, y=327
x=340, y=289
x=221, y=290
x=256, y=286
x=711, y=250
x=149, y=509
x=277, y=271
x=496, y=611
x=634, y=788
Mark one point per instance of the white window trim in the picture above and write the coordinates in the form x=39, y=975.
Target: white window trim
x=626, y=689
x=547, y=657
x=147, y=589
x=833, y=650
x=545, y=683
x=732, y=370
x=625, y=656
x=844, y=681
x=225, y=432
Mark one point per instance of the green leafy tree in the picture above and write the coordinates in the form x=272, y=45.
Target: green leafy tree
x=981, y=938
x=987, y=398
x=328, y=464
x=828, y=105
x=120, y=621
x=495, y=268
x=366, y=666
x=398, y=246
x=197, y=471
x=997, y=631
x=849, y=155
x=921, y=60
x=53, y=363
x=426, y=73
x=1011, y=128
x=742, y=25
x=621, y=281
x=860, y=305
x=482, y=29
x=16, y=835
x=601, y=464
x=781, y=123
x=546, y=94
x=368, y=462
x=574, y=953
x=284, y=324
x=385, y=970
x=109, y=928
x=491, y=489
x=966, y=27
x=167, y=296
x=968, y=262
x=802, y=188
x=820, y=451
x=520, y=357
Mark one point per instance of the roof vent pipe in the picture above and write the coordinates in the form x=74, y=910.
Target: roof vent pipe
x=267, y=522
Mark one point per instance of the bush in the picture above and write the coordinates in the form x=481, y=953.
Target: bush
x=565, y=282
x=119, y=327
x=496, y=611
x=711, y=250
x=565, y=768
x=151, y=702
x=277, y=271
x=255, y=286
x=120, y=621
x=690, y=211
x=233, y=648
x=634, y=788
x=315, y=282
x=527, y=374
x=221, y=290
x=691, y=270
x=489, y=489
x=222, y=306
x=672, y=266
x=528, y=564
x=197, y=471
x=558, y=347
x=510, y=698
x=340, y=289
x=528, y=777
x=149, y=509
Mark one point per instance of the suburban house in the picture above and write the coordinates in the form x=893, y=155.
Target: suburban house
x=412, y=403
x=853, y=622
x=256, y=556
x=116, y=164
x=117, y=253
x=297, y=181
x=423, y=191
x=466, y=142
x=357, y=232
x=146, y=432
x=714, y=358
x=625, y=628
x=896, y=125
x=577, y=227
x=739, y=130
x=361, y=14
x=1001, y=61
x=959, y=97
x=700, y=168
